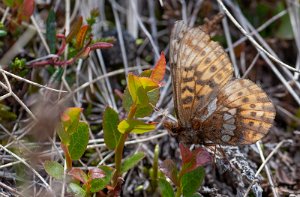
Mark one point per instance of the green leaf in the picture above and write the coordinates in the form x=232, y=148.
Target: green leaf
x=191, y=181
x=146, y=73
x=79, y=141
x=3, y=33
x=63, y=134
x=146, y=110
x=142, y=110
x=51, y=31
x=100, y=183
x=8, y=3
x=148, y=84
x=6, y=114
x=77, y=190
x=54, y=169
x=136, y=90
x=131, y=161
x=165, y=188
x=110, y=127
x=127, y=100
x=135, y=126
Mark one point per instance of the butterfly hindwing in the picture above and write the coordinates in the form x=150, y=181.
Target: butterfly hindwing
x=243, y=114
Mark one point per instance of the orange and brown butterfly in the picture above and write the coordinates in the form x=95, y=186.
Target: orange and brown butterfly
x=211, y=106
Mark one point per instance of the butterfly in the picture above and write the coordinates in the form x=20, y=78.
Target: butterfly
x=213, y=107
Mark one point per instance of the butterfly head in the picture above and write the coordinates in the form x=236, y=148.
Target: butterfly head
x=182, y=134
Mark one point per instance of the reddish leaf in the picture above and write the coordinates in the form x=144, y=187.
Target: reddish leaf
x=169, y=168
x=26, y=10
x=80, y=37
x=193, y=159
x=101, y=45
x=74, y=29
x=85, y=53
x=78, y=174
x=96, y=173
x=159, y=69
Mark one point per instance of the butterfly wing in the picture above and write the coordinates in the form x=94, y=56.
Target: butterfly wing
x=241, y=114
x=200, y=68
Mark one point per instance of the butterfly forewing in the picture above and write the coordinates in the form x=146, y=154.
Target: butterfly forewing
x=200, y=68
x=177, y=34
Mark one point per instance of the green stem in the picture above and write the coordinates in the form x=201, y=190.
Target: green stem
x=178, y=191
x=120, y=147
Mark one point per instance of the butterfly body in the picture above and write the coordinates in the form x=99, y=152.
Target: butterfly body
x=211, y=106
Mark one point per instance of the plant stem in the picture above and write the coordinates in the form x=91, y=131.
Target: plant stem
x=178, y=191
x=120, y=147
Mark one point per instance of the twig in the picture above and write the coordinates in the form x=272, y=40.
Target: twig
x=10, y=189
x=30, y=82
x=26, y=164
x=120, y=36
x=254, y=41
x=40, y=34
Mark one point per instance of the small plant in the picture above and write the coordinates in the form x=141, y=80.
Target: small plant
x=140, y=97
x=80, y=40
x=191, y=175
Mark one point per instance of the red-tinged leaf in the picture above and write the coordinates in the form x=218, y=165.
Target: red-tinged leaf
x=80, y=37
x=98, y=184
x=78, y=174
x=70, y=118
x=159, y=69
x=148, y=84
x=27, y=9
x=73, y=113
x=74, y=29
x=96, y=173
x=168, y=167
x=193, y=159
x=85, y=54
x=101, y=45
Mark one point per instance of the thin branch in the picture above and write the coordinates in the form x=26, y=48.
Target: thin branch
x=251, y=39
